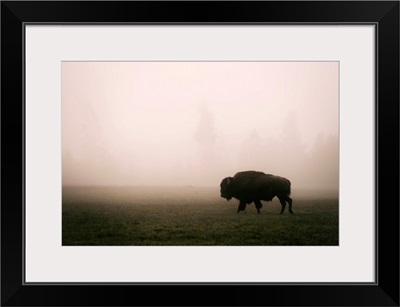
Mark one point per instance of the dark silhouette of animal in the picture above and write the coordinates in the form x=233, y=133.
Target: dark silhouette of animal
x=252, y=186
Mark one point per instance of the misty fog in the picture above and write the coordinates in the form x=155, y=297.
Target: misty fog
x=194, y=123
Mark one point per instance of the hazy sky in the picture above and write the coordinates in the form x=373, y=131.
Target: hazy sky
x=193, y=123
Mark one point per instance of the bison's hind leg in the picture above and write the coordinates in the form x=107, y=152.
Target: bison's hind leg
x=289, y=200
x=283, y=203
x=283, y=200
x=258, y=205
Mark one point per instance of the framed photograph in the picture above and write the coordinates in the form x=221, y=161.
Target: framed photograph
x=200, y=148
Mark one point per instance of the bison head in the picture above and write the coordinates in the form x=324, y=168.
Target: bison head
x=226, y=188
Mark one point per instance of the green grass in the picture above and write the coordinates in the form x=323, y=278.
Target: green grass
x=192, y=216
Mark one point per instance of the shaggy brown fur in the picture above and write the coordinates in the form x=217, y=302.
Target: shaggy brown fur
x=252, y=186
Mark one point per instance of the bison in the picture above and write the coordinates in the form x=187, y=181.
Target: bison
x=252, y=186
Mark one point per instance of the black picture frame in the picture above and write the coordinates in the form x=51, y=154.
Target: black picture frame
x=383, y=14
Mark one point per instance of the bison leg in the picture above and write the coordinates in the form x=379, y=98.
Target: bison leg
x=258, y=205
x=289, y=200
x=283, y=203
x=242, y=206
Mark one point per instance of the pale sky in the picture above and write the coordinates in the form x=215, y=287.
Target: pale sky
x=193, y=123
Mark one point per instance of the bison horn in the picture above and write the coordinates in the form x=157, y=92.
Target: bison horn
x=228, y=181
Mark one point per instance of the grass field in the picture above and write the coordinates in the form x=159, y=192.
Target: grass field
x=192, y=216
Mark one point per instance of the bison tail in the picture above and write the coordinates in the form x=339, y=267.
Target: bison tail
x=289, y=189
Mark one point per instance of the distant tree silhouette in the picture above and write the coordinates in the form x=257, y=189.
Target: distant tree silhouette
x=205, y=133
x=323, y=162
x=291, y=149
x=285, y=154
x=251, y=155
x=205, y=137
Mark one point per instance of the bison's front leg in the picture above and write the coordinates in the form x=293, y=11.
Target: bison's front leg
x=242, y=206
x=258, y=205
